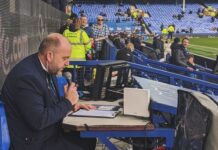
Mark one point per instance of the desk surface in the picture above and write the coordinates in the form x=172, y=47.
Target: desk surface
x=163, y=93
x=121, y=122
x=160, y=92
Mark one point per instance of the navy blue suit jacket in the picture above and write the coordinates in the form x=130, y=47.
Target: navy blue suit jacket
x=124, y=54
x=34, y=116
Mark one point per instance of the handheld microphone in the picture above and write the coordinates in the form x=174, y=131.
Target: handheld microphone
x=68, y=77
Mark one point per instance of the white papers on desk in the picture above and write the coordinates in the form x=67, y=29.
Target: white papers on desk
x=108, y=111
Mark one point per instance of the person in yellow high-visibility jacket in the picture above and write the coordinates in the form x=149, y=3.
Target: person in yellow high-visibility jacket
x=164, y=31
x=171, y=30
x=80, y=42
x=213, y=14
x=80, y=45
x=134, y=15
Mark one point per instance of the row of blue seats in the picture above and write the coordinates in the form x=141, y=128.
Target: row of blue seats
x=93, y=10
x=159, y=14
x=163, y=14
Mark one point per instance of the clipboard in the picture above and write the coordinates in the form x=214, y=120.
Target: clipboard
x=104, y=111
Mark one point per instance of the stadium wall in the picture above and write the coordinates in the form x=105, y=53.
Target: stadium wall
x=204, y=61
x=23, y=24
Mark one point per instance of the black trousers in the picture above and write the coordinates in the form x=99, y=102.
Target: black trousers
x=58, y=141
x=83, y=143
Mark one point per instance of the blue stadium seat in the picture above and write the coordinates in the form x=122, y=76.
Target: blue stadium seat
x=4, y=133
x=61, y=81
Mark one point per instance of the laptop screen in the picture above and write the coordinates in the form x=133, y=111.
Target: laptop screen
x=136, y=102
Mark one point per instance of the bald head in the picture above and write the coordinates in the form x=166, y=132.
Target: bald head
x=52, y=42
x=54, y=52
x=130, y=46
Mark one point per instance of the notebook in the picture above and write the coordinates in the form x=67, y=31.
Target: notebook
x=136, y=102
x=106, y=111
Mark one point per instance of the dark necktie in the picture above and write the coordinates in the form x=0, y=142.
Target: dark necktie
x=52, y=88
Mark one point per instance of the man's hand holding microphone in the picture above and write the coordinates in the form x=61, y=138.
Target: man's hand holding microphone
x=71, y=94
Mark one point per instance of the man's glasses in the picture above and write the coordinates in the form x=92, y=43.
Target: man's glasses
x=100, y=19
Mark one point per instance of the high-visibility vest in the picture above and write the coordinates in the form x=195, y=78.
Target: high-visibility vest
x=134, y=14
x=170, y=29
x=164, y=31
x=80, y=44
x=212, y=14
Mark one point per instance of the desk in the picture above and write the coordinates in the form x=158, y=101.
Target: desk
x=121, y=126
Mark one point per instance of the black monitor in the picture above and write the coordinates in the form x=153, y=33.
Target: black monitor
x=110, y=78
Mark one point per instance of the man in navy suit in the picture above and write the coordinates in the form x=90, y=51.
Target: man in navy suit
x=34, y=108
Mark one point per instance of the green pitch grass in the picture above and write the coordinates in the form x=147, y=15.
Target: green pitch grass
x=207, y=47
x=204, y=46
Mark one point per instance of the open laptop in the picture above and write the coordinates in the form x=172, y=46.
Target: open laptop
x=136, y=102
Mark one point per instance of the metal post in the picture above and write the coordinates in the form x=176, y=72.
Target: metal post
x=183, y=5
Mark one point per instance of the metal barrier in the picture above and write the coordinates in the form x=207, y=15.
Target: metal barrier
x=88, y=69
x=110, y=51
x=160, y=75
x=140, y=58
x=174, y=79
